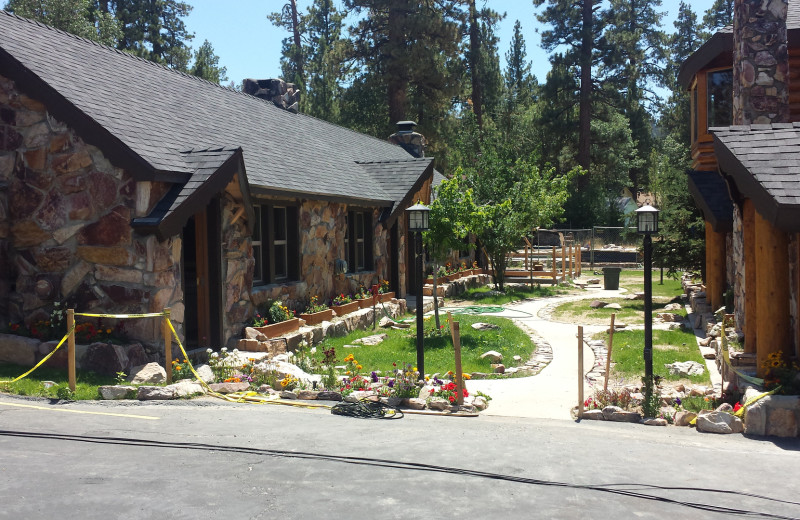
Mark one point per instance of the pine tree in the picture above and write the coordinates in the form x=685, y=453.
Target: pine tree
x=206, y=64
x=325, y=63
x=520, y=83
x=155, y=30
x=719, y=15
x=79, y=17
x=292, y=53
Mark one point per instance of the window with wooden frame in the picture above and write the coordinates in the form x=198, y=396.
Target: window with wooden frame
x=276, y=243
x=693, y=102
x=719, y=88
x=358, y=241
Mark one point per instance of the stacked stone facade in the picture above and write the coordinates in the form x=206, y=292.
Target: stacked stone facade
x=736, y=276
x=760, y=62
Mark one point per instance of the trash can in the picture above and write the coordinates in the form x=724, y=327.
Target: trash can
x=611, y=278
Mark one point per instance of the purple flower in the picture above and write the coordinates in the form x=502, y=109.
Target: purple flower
x=678, y=401
x=391, y=383
x=374, y=377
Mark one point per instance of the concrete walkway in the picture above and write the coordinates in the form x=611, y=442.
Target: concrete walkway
x=553, y=392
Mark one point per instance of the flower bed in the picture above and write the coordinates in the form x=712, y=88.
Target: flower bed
x=315, y=318
x=365, y=303
x=274, y=330
x=346, y=308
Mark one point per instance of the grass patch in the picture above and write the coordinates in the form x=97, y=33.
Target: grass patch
x=669, y=346
x=86, y=387
x=400, y=346
x=632, y=312
x=488, y=296
x=633, y=280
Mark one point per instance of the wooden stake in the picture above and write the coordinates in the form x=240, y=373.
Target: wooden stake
x=608, y=353
x=71, y=349
x=555, y=271
x=454, y=331
x=580, y=372
x=167, y=345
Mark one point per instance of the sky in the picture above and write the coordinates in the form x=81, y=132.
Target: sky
x=249, y=45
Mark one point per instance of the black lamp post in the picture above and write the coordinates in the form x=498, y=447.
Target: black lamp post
x=417, y=223
x=647, y=220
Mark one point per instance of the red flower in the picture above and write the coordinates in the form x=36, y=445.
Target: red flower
x=737, y=407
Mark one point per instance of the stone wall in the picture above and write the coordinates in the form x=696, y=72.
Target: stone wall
x=237, y=267
x=736, y=268
x=65, y=233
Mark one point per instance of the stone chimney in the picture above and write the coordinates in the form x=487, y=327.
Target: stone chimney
x=760, y=62
x=283, y=95
x=411, y=141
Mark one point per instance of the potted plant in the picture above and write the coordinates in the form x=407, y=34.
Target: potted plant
x=383, y=289
x=363, y=297
x=343, y=304
x=279, y=320
x=316, y=312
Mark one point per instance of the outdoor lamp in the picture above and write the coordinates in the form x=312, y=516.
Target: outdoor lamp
x=647, y=217
x=418, y=217
x=417, y=223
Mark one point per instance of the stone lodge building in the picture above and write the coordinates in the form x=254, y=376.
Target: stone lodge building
x=744, y=84
x=128, y=187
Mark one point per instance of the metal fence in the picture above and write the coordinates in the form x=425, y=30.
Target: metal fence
x=601, y=245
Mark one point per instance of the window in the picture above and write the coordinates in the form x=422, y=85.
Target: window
x=358, y=241
x=694, y=114
x=720, y=98
x=276, y=244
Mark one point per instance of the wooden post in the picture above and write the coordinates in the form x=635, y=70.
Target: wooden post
x=571, y=263
x=750, y=325
x=71, y=349
x=167, y=345
x=555, y=272
x=526, y=256
x=580, y=372
x=580, y=261
x=455, y=332
x=715, y=267
x=564, y=259
x=608, y=351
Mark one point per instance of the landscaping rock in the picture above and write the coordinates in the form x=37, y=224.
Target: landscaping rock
x=684, y=418
x=479, y=375
x=205, y=373
x=719, y=422
x=593, y=281
x=328, y=395
x=614, y=306
x=251, y=333
x=371, y=340
x=480, y=402
x=149, y=373
x=415, y=403
x=609, y=410
x=623, y=416
x=115, y=392
x=288, y=394
x=425, y=392
x=307, y=395
x=517, y=358
x=594, y=415
x=18, y=350
x=597, y=304
x=705, y=341
x=499, y=368
x=439, y=404
x=724, y=407
x=685, y=368
x=781, y=422
x=655, y=422
x=493, y=356
x=669, y=317
x=107, y=359
x=229, y=388
x=186, y=388
x=155, y=393
x=484, y=326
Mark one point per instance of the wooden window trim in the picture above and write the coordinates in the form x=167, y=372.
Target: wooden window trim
x=290, y=244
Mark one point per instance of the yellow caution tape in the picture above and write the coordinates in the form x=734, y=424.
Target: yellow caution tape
x=122, y=316
x=44, y=359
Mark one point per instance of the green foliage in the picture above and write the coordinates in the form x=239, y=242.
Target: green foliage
x=718, y=15
x=80, y=17
x=206, y=64
x=651, y=405
x=155, y=30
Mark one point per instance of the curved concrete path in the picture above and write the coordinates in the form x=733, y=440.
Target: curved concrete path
x=553, y=392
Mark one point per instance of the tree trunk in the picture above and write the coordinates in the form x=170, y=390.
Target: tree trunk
x=585, y=110
x=298, y=49
x=474, y=64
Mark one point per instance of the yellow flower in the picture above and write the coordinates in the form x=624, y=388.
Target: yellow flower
x=178, y=367
x=466, y=376
x=415, y=369
x=174, y=362
x=359, y=367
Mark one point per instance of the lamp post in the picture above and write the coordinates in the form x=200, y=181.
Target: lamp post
x=417, y=223
x=647, y=224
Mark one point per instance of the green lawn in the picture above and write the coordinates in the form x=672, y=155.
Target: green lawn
x=632, y=312
x=400, y=346
x=633, y=280
x=669, y=346
x=487, y=296
x=85, y=388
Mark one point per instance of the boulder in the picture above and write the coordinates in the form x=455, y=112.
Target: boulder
x=623, y=416
x=329, y=395
x=724, y=407
x=307, y=395
x=609, y=410
x=781, y=422
x=595, y=415
x=493, y=356
x=251, y=333
x=205, y=373
x=719, y=422
x=655, y=422
x=684, y=418
x=106, y=359
x=114, y=392
x=19, y=350
x=375, y=339
x=673, y=307
x=288, y=394
x=416, y=403
x=187, y=388
x=705, y=341
x=484, y=326
x=499, y=368
x=517, y=359
x=425, y=392
x=150, y=373
x=614, y=306
x=480, y=402
x=228, y=388
x=155, y=393
x=478, y=375
x=670, y=317
x=597, y=304
x=439, y=404
x=685, y=368
x=593, y=281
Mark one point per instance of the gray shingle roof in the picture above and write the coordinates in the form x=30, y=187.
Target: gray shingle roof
x=722, y=42
x=396, y=175
x=764, y=162
x=157, y=113
x=710, y=193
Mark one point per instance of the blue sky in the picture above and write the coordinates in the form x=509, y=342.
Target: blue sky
x=249, y=45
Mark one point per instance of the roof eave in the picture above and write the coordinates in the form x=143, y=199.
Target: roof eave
x=718, y=43
x=427, y=173
x=718, y=223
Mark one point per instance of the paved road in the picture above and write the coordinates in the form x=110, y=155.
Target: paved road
x=554, y=391
x=206, y=460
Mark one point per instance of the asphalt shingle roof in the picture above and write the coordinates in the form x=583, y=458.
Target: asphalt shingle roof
x=395, y=176
x=158, y=113
x=710, y=193
x=764, y=161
